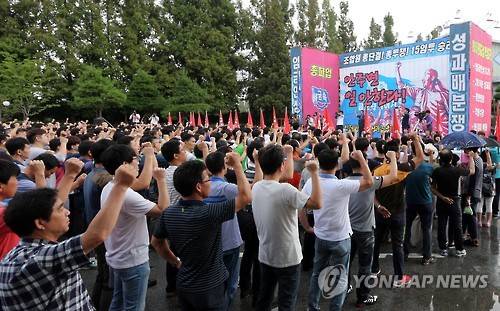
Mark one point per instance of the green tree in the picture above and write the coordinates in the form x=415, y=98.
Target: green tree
x=186, y=96
x=330, y=40
x=270, y=85
x=143, y=93
x=93, y=91
x=373, y=41
x=301, y=33
x=199, y=37
x=313, y=34
x=389, y=38
x=21, y=83
x=346, y=29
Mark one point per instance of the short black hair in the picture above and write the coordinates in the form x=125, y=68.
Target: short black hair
x=445, y=157
x=215, y=162
x=171, y=148
x=49, y=160
x=328, y=159
x=362, y=144
x=353, y=163
x=98, y=148
x=146, y=139
x=54, y=144
x=187, y=175
x=14, y=144
x=7, y=170
x=26, y=207
x=33, y=133
x=392, y=145
x=84, y=147
x=72, y=141
x=186, y=136
x=124, y=140
x=320, y=147
x=256, y=144
x=332, y=143
x=271, y=158
x=197, y=152
x=115, y=155
x=380, y=146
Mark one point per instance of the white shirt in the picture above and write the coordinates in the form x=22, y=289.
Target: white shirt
x=128, y=244
x=331, y=222
x=154, y=120
x=274, y=207
x=340, y=120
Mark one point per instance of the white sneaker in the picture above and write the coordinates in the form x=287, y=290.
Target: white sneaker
x=461, y=253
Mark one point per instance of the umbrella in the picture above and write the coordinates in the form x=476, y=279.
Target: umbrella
x=490, y=142
x=462, y=140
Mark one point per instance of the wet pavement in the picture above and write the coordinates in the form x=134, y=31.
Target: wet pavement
x=481, y=265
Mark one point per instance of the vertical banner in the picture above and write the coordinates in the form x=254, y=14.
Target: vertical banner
x=320, y=82
x=481, y=68
x=296, y=88
x=459, y=76
x=412, y=78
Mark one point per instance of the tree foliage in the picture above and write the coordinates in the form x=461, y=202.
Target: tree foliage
x=346, y=29
x=93, y=91
x=171, y=55
x=388, y=37
x=374, y=38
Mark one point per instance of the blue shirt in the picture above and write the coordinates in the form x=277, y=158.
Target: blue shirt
x=418, y=185
x=221, y=191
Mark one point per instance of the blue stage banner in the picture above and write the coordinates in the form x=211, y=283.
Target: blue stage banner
x=296, y=69
x=459, y=77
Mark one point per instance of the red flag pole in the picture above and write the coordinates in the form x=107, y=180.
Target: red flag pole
x=206, y=119
x=230, y=121
x=275, y=120
x=200, y=123
x=286, y=123
x=236, y=119
x=169, y=121
x=180, y=118
x=262, y=122
x=249, y=119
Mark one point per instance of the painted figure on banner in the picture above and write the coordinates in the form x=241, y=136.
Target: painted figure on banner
x=432, y=96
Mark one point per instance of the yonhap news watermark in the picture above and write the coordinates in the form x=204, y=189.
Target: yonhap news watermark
x=333, y=280
x=458, y=281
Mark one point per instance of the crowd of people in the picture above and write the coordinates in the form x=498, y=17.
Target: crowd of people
x=73, y=195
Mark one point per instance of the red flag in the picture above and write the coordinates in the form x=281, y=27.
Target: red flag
x=262, y=122
x=367, y=127
x=207, y=124
x=275, y=120
x=200, y=123
x=236, y=119
x=191, y=119
x=437, y=126
x=249, y=119
x=180, y=118
x=396, y=127
x=221, y=119
x=328, y=120
x=230, y=121
x=169, y=122
x=497, y=124
x=286, y=123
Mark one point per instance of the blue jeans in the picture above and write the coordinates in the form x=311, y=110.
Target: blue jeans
x=329, y=253
x=129, y=288
x=288, y=280
x=232, y=262
x=425, y=213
